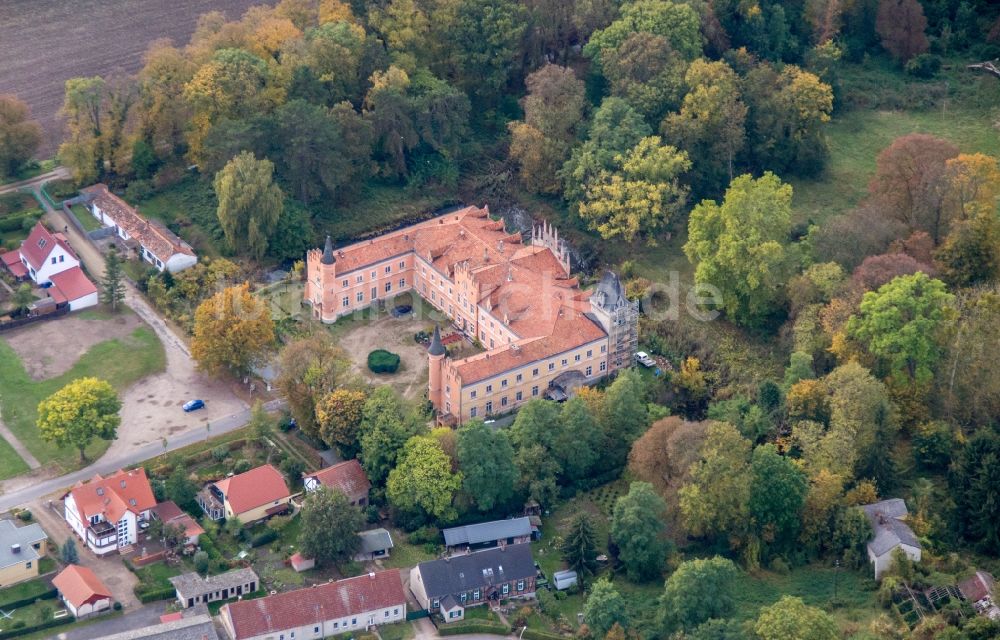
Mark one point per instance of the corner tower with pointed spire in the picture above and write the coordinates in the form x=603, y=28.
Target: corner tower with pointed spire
x=435, y=357
x=321, y=269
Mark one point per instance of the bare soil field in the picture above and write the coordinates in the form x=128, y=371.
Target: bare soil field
x=395, y=335
x=49, y=349
x=43, y=43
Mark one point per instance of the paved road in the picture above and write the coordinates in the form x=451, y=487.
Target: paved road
x=109, y=464
x=143, y=616
x=55, y=174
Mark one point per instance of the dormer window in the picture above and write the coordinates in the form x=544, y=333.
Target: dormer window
x=123, y=484
x=131, y=501
x=41, y=243
x=100, y=491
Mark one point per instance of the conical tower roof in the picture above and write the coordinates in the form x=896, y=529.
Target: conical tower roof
x=328, y=252
x=436, y=348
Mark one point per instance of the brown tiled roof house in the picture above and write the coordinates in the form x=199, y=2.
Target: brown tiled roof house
x=516, y=300
x=347, y=477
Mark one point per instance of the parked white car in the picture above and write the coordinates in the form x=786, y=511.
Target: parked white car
x=643, y=358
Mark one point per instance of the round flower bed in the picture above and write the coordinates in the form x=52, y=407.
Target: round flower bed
x=382, y=361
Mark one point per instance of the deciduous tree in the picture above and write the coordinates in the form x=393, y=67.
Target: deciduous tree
x=714, y=501
x=233, y=330
x=604, y=608
x=791, y=619
x=250, y=203
x=638, y=530
x=310, y=368
x=777, y=494
x=677, y=22
x=386, y=426
x=330, y=526
x=647, y=72
x=711, y=123
x=641, y=195
x=82, y=410
x=901, y=25
x=422, y=479
x=181, y=489
x=19, y=135
x=338, y=414
x=486, y=459
x=901, y=326
x=697, y=591
x=739, y=246
x=910, y=182
x=970, y=255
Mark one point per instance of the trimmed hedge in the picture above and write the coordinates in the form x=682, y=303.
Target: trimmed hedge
x=15, y=222
x=481, y=626
x=29, y=600
x=382, y=361
x=261, y=539
x=536, y=634
x=152, y=595
x=48, y=624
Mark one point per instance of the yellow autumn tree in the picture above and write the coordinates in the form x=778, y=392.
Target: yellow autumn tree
x=642, y=197
x=972, y=186
x=233, y=331
x=84, y=409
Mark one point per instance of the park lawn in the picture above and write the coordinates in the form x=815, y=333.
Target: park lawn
x=856, y=138
x=120, y=362
x=815, y=585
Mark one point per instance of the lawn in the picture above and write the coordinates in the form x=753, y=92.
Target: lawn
x=400, y=631
x=30, y=589
x=120, y=362
x=404, y=554
x=157, y=575
x=87, y=221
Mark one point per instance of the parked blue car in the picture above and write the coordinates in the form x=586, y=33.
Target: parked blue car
x=194, y=405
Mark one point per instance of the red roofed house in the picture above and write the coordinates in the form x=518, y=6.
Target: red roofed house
x=544, y=336
x=106, y=512
x=82, y=591
x=155, y=244
x=249, y=497
x=329, y=609
x=169, y=513
x=48, y=260
x=347, y=477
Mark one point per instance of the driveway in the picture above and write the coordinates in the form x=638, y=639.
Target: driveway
x=110, y=569
x=144, y=616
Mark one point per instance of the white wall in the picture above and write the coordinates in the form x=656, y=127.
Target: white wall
x=47, y=269
x=89, y=300
x=359, y=622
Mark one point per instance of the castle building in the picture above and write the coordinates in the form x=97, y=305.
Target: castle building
x=542, y=334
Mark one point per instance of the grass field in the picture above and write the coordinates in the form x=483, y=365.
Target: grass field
x=120, y=362
x=188, y=208
x=857, y=137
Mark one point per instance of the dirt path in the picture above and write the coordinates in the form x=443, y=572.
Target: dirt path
x=56, y=174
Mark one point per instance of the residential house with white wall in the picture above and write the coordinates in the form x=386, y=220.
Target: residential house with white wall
x=106, y=513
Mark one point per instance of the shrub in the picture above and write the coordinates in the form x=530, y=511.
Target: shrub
x=220, y=453
x=382, y=361
x=117, y=606
x=24, y=515
x=156, y=593
x=242, y=466
x=924, y=65
x=263, y=538
x=425, y=535
x=138, y=190
x=201, y=561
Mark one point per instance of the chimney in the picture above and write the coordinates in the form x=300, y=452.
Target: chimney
x=15, y=548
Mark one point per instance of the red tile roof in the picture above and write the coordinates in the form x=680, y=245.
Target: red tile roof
x=347, y=476
x=170, y=513
x=79, y=586
x=330, y=601
x=254, y=488
x=571, y=329
x=70, y=285
x=113, y=496
x=12, y=260
x=152, y=235
x=39, y=245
